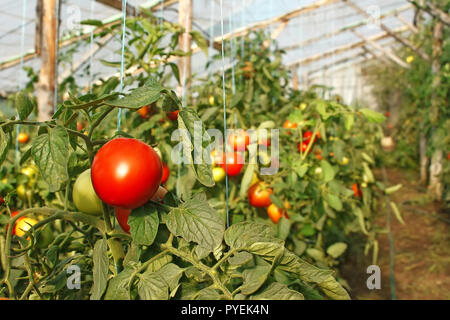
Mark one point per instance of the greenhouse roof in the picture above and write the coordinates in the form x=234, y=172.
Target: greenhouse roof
x=316, y=34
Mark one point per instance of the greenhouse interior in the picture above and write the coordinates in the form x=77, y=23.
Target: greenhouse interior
x=224, y=150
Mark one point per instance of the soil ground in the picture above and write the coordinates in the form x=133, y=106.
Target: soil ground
x=422, y=248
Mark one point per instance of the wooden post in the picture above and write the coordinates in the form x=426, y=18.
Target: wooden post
x=435, y=186
x=185, y=20
x=295, y=78
x=46, y=84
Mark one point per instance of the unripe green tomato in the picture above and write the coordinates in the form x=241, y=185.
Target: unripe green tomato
x=344, y=161
x=318, y=171
x=45, y=237
x=23, y=192
x=264, y=158
x=218, y=174
x=363, y=185
x=84, y=196
x=31, y=172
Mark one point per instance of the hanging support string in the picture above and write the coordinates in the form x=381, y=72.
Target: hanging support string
x=22, y=48
x=224, y=114
x=124, y=14
x=91, y=76
x=230, y=23
x=55, y=91
x=211, y=35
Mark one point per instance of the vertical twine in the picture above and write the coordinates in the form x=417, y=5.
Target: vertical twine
x=224, y=114
x=124, y=14
x=20, y=80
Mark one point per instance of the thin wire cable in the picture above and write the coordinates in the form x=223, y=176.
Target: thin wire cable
x=224, y=113
x=124, y=14
x=162, y=15
x=211, y=36
x=91, y=46
x=230, y=23
x=22, y=48
x=55, y=91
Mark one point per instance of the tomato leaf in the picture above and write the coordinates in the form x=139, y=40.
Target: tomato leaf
x=373, y=116
x=254, y=278
x=190, y=129
x=244, y=234
x=334, y=289
x=337, y=249
x=139, y=97
x=328, y=171
x=200, y=41
x=157, y=285
x=50, y=152
x=4, y=145
x=196, y=221
x=240, y=258
x=278, y=291
x=23, y=104
x=118, y=288
x=144, y=223
x=100, y=270
x=334, y=201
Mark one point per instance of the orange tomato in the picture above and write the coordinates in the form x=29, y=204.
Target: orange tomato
x=356, y=190
x=289, y=125
x=23, y=137
x=274, y=213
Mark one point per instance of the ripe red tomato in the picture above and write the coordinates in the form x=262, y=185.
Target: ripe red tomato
x=23, y=137
x=2, y=201
x=173, y=115
x=274, y=213
x=264, y=142
x=122, y=217
x=387, y=114
x=448, y=156
x=302, y=147
x=126, y=173
x=234, y=163
x=259, y=195
x=80, y=126
x=13, y=214
x=165, y=173
x=356, y=190
x=239, y=140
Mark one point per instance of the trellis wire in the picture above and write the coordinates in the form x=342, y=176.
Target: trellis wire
x=224, y=113
x=124, y=14
x=211, y=34
x=91, y=76
x=230, y=24
x=183, y=103
x=55, y=91
x=22, y=46
x=162, y=15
